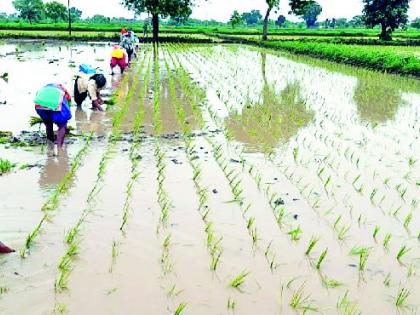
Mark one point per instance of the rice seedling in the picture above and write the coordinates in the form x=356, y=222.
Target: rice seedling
x=401, y=298
x=386, y=240
x=239, y=280
x=173, y=291
x=231, y=304
x=375, y=232
x=60, y=308
x=180, y=309
x=402, y=252
x=321, y=258
x=407, y=220
x=363, y=253
x=347, y=307
x=5, y=166
x=302, y=302
x=35, y=121
x=114, y=255
x=363, y=259
x=4, y=290
x=295, y=233
x=312, y=243
x=372, y=196
x=343, y=233
x=387, y=280
x=331, y=283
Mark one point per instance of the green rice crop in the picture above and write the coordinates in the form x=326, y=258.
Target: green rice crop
x=5, y=166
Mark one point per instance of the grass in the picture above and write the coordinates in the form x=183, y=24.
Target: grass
x=6, y=166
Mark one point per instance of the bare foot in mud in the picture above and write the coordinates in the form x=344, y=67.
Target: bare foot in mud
x=5, y=249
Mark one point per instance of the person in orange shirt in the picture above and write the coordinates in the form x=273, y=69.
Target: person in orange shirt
x=119, y=57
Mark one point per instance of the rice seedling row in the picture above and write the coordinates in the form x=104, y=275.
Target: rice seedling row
x=72, y=237
x=250, y=223
x=363, y=257
x=52, y=203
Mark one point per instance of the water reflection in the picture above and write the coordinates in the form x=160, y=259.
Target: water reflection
x=55, y=168
x=275, y=118
x=378, y=98
x=96, y=122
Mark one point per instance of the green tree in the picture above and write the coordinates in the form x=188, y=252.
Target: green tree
x=252, y=18
x=416, y=23
x=295, y=5
x=280, y=20
x=235, y=19
x=389, y=14
x=342, y=23
x=357, y=21
x=75, y=14
x=272, y=4
x=311, y=11
x=98, y=18
x=160, y=8
x=55, y=11
x=31, y=10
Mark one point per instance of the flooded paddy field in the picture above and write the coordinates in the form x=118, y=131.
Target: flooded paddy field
x=225, y=180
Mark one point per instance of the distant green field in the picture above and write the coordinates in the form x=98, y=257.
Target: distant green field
x=138, y=27
x=359, y=47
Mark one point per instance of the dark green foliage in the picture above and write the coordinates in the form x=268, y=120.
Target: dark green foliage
x=280, y=20
x=235, y=19
x=31, y=10
x=416, y=23
x=161, y=8
x=389, y=14
x=310, y=14
x=55, y=11
x=252, y=18
x=75, y=14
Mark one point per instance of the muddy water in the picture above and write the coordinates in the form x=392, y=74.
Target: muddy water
x=295, y=129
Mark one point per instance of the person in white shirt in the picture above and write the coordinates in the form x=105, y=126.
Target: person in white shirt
x=85, y=86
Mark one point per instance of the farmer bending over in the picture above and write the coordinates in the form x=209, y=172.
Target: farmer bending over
x=52, y=103
x=5, y=249
x=119, y=57
x=85, y=85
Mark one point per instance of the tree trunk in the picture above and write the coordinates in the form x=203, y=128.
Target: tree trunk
x=265, y=28
x=385, y=35
x=68, y=6
x=155, y=24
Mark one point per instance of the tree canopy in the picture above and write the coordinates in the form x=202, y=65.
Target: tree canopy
x=235, y=19
x=416, y=23
x=297, y=8
x=389, y=14
x=31, y=10
x=311, y=11
x=75, y=14
x=55, y=11
x=253, y=17
x=160, y=8
x=280, y=20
